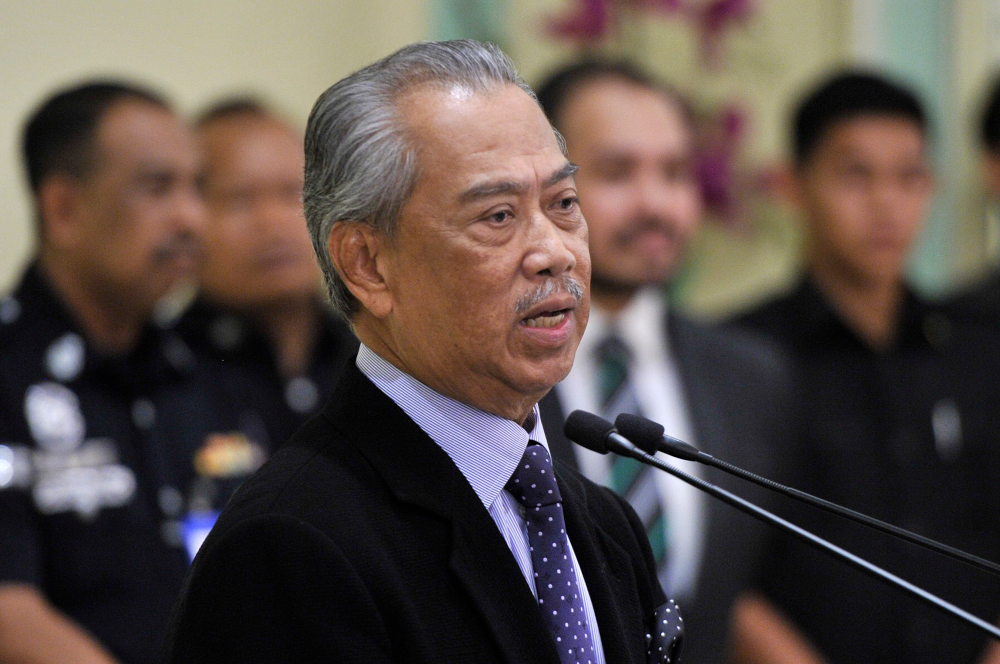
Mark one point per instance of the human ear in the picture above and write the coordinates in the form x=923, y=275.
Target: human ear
x=58, y=209
x=357, y=251
x=991, y=174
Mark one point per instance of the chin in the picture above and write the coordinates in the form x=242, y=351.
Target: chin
x=550, y=372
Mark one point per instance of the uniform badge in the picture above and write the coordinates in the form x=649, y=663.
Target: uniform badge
x=84, y=489
x=228, y=455
x=54, y=417
x=64, y=358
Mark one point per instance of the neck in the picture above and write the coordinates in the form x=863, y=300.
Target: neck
x=870, y=307
x=111, y=323
x=291, y=326
x=492, y=397
x=611, y=300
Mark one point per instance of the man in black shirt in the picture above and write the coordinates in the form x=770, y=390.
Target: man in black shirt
x=109, y=436
x=901, y=420
x=259, y=320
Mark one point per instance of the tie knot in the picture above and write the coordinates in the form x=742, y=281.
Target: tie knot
x=533, y=483
x=613, y=349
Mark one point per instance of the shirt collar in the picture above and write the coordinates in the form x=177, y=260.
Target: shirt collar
x=819, y=322
x=485, y=447
x=157, y=357
x=640, y=325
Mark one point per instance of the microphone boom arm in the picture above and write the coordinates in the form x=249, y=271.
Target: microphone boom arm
x=648, y=435
x=620, y=444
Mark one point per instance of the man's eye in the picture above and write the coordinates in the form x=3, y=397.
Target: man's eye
x=568, y=203
x=500, y=216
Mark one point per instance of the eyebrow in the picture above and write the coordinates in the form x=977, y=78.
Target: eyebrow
x=502, y=187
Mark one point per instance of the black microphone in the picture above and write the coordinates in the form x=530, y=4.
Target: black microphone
x=647, y=435
x=597, y=434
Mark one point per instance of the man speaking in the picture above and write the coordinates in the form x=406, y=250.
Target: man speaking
x=418, y=517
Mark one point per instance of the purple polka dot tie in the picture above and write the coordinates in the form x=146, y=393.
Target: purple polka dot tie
x=533, y=484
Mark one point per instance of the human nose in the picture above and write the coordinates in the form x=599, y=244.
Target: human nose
x=190, y=212
x=655, y=197
x=549, y=248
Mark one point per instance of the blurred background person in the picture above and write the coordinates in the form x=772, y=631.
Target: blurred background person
x=634, y=142
x=900, y=421
x=260, y=318
x=98, y=427
x=981, y=302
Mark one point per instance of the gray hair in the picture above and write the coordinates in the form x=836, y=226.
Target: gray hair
x=360, y=165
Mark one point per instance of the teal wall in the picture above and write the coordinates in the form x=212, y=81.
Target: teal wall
x=485, y=20
x=918, y=49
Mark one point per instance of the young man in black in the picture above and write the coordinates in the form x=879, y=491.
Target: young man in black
x=901, y=418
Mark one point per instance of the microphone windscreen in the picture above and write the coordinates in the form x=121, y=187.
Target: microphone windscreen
x=588, y=430
x=644, y=433
x=648, y=436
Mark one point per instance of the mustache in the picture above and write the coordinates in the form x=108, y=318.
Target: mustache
x=563, y=284
x=183, y=244
x=636, y=227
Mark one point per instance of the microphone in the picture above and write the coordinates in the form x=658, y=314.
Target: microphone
x=647, y=435
x=597, y=434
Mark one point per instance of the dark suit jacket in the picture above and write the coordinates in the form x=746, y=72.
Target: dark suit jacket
x=361, y=541
x=739, y=393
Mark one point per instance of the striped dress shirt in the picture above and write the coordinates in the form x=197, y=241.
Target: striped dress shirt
x=486, y=448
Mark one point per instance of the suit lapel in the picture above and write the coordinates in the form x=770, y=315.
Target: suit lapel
x=702, y=378
x=418, y=472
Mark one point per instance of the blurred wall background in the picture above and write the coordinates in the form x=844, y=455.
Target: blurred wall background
x=192, y=50
x=743, y=62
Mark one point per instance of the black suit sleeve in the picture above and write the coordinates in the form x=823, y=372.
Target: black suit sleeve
x=289, y=595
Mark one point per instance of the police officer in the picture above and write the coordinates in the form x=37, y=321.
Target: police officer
x=110, y=443
x=259, y=315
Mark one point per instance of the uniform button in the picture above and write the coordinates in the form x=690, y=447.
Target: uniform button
x=301, y=395
x=143, y=413
x=171, y=500
x=64, y=358
x=226, y=333
x=178, y=354
x=10, y=310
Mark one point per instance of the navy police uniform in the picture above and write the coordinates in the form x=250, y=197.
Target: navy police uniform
x=110, y=467
x=244, y=360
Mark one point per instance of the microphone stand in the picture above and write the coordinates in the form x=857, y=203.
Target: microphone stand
x=615, y=442
x=647, y=435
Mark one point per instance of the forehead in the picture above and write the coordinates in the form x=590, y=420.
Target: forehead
x=876, y=137
x=134, y=133
x=464, y=137
x=251, y=144
x=613, y=114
